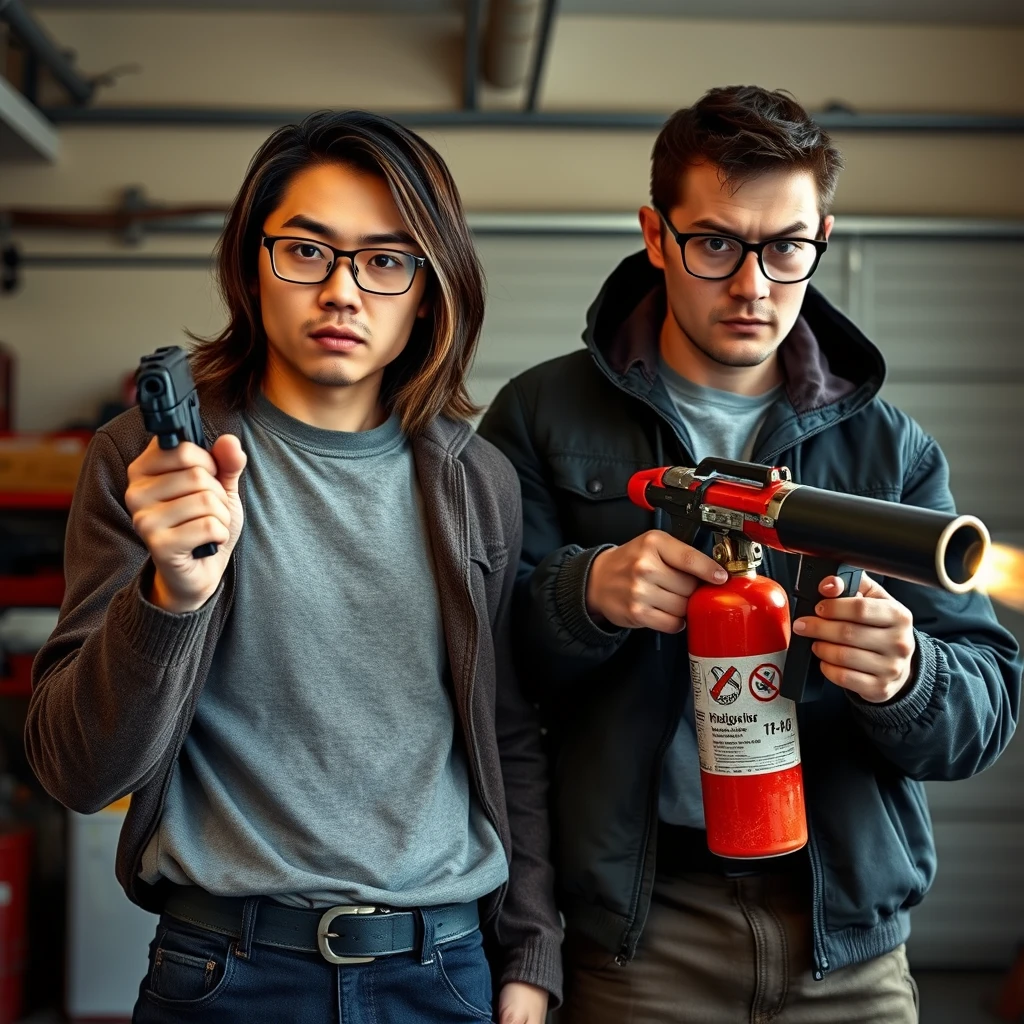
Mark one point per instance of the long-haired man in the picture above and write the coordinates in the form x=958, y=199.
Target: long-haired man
x=335, y=781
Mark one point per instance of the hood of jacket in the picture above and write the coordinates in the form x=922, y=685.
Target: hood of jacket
x=827, y=363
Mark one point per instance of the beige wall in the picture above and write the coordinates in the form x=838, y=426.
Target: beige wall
x=76, y=331
x=304, y=61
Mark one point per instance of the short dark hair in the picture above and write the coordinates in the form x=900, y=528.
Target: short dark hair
x=429, y=377
x=745, y=131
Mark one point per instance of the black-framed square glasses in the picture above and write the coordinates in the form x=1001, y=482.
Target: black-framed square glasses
x=377, y=270
x=713, y=256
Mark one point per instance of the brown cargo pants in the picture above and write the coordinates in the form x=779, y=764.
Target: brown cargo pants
x=719, y=950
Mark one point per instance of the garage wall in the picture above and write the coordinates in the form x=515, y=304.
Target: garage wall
x=69, y=356
x=412, y=62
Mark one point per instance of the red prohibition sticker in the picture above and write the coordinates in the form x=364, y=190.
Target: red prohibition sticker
x=764, y=682
x=728, y=684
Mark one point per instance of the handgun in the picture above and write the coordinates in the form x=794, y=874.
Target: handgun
x=170, y=406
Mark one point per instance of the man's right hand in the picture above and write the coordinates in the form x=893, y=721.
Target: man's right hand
x=648, y=582
x=181, y=498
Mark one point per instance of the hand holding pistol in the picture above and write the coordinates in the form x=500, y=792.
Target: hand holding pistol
x=182, y=497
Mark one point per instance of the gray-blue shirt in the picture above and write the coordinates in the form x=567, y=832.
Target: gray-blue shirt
x=323, y=764
x=722, y=424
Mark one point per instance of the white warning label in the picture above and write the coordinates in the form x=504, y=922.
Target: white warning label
x=743, y=726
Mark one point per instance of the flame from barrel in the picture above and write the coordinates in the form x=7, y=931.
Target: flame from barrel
x=1001, y=575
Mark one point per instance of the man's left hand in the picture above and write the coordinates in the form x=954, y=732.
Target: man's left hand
x=522, y=1004
x=865, y=643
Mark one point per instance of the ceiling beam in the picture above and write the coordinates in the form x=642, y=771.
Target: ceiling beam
x=36, y=41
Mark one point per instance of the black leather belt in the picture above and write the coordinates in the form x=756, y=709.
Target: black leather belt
x=342, y=934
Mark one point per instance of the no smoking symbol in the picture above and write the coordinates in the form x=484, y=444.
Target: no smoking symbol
x=764, y=682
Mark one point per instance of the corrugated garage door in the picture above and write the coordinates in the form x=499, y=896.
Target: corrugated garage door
x=945, y=309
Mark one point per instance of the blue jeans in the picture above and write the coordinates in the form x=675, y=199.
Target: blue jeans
x=198, y=976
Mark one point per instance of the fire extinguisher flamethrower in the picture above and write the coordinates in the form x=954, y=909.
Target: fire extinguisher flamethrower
x=834, y=534
x=747, y=669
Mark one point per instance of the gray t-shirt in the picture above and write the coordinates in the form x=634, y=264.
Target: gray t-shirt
x=714, y=423
x=323, y=764
x=717, y=423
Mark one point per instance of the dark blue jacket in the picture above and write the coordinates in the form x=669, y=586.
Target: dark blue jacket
x=576, y=428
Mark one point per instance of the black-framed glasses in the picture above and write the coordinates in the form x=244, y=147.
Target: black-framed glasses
x=713, y=257
x=307, y=261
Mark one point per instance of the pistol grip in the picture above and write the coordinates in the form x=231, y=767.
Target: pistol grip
x=167, y=441
x=802, y=679
x=683, y=529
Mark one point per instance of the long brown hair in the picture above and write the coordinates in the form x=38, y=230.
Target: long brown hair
x=745, y=130
x=429, y=377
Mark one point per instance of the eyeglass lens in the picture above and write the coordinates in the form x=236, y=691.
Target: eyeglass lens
x=386, y=271
x=718, y=257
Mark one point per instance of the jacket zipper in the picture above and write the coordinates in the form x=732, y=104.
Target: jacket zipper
x=821, y=964
x=768, y=457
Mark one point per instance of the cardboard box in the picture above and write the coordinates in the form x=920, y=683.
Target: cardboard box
x=40, y=464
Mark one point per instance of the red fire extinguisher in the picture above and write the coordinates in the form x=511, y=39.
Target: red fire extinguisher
x=747, y=737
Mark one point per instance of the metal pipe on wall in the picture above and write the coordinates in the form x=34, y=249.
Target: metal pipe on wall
x=509, y=41
x=211, y=222
x=42, y=47
x=831, y=120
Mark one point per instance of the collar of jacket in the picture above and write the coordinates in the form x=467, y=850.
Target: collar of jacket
x=827, y=362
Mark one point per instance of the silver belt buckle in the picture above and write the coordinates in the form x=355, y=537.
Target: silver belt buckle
x=324, y=935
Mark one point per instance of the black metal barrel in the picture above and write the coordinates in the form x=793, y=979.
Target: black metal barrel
x=937, y=549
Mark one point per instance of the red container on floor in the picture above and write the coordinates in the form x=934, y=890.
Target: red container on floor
x=15, y=860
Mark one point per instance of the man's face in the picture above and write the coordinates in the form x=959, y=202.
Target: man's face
x=334, y=334
x=739, y=321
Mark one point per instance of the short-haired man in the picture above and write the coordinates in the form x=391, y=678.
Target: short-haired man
x=711, y=343
x=335, y=779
